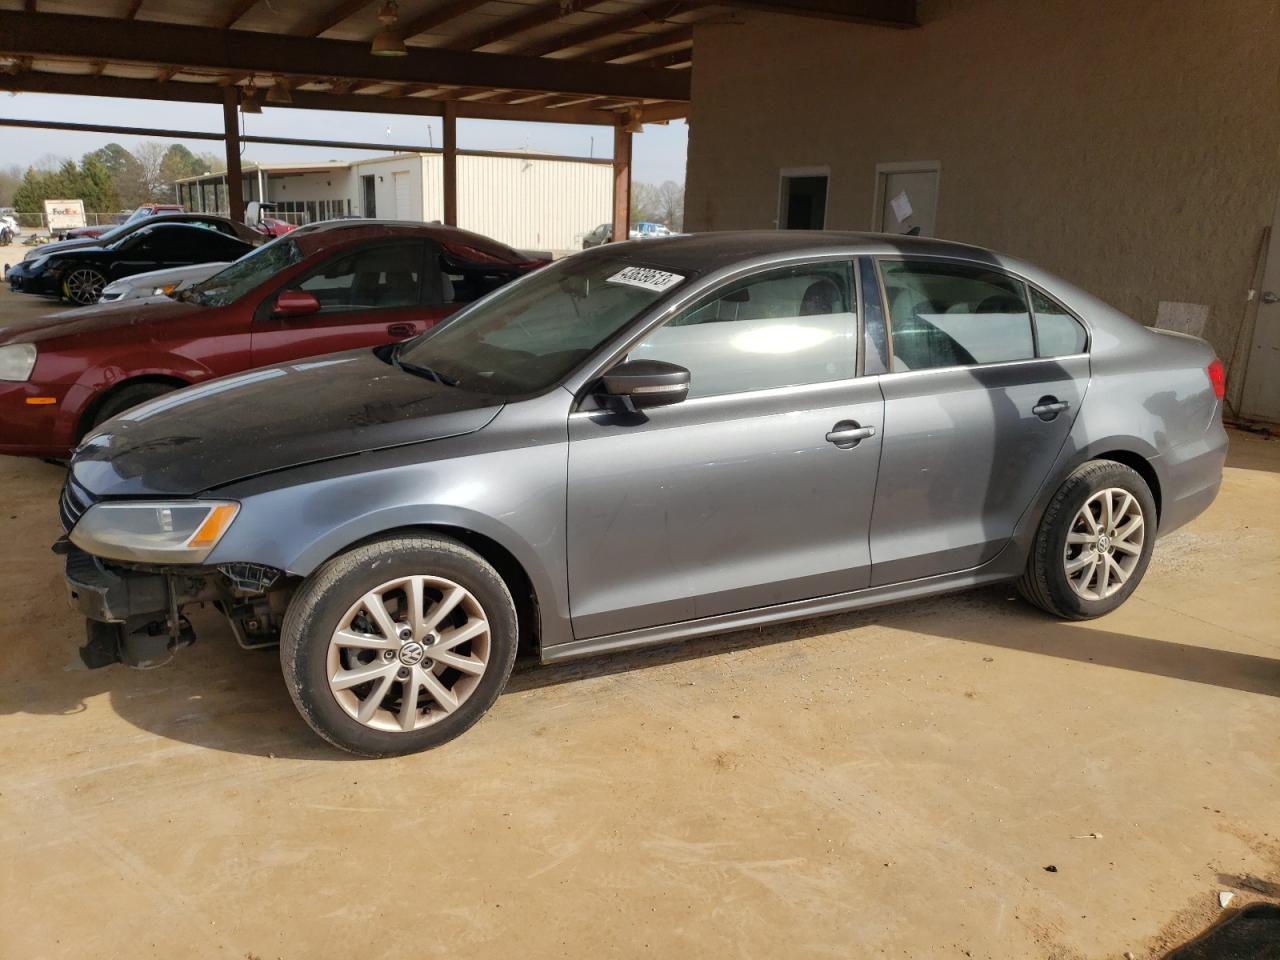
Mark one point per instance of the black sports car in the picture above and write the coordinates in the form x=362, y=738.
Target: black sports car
x=80, y=274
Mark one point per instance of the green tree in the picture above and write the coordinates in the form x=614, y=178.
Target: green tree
x=126, y=174
x=179, y=162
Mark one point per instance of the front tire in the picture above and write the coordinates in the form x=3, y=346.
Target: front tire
x=126, y=398
x=399, y=645
x=1094, y=542
x=83, y=286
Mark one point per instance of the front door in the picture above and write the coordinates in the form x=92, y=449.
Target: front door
x=368, y=295
x=1260, y=399
x=975, y=416
x=757, y=490
x=908, y=199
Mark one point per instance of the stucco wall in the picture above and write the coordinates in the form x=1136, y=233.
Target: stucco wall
x=1133, y=146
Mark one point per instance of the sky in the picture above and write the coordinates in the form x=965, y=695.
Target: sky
x=657, y=154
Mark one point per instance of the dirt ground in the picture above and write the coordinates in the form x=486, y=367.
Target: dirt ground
x=892, y=783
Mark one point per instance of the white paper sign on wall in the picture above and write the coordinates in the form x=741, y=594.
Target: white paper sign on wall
x=901, y=206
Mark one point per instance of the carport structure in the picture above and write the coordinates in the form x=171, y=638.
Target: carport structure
x=616, y=63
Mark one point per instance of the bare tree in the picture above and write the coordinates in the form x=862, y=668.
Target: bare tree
x=671, y=204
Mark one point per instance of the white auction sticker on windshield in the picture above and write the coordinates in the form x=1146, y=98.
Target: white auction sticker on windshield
x=647, y=279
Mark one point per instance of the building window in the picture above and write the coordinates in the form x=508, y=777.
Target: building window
x=368, y=194
x=802, y=203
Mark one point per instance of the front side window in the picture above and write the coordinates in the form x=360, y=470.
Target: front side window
x=530, y=334
x=945, y=314
x=782, y=328
x=385, y=276
x=1058, y=332
x=245, y=275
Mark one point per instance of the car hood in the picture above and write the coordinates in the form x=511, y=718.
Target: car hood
x=59, y=246
x=268, y=419
x=157, y=277
x=96, y=319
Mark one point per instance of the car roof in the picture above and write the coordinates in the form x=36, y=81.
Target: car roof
x=704, y=252
x=326, y=234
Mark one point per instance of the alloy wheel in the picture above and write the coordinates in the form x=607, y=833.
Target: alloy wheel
x=85, y=286
x=1104, y=543
x=408, y=653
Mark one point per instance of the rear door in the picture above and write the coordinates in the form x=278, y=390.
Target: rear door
x=369, y=294
x=975, y=413
x=753, y=491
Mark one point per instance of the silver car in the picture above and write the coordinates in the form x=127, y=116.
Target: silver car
x=645, y=442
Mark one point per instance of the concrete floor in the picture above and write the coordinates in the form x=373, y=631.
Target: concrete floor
x=888, y=783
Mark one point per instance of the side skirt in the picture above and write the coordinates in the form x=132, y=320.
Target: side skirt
x=991, y=572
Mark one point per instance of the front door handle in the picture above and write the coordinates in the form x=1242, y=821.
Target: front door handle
x=401, y=329
x=1047, y=408
x=849, y=433
x=1270, y=296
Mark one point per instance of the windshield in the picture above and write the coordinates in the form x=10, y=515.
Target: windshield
x=527, y=336
x=245, y=274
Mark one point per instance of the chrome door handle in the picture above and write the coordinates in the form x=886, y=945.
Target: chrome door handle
x=1049, y=407
x=1270, y=297
x=849, y=433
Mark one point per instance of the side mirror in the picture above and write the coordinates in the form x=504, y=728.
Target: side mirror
x=636, y=384
x=295, y=303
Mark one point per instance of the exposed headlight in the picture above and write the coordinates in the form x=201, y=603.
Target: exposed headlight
x=163, y=290
x=17, y=360
x=179, y=531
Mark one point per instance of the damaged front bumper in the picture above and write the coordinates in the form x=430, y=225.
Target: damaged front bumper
x=133, y=615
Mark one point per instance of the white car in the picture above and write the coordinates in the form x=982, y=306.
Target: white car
x=158, y=283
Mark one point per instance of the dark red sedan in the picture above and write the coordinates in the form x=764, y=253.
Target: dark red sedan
x=320, y=289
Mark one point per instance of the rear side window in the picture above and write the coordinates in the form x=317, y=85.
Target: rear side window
x=1058, y=332
x=953, y=315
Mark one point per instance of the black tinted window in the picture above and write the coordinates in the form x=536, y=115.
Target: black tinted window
x=949, y=314
x=1059, y=333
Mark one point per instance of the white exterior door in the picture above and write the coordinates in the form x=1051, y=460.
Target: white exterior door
x=404, y=197
x=906, y=199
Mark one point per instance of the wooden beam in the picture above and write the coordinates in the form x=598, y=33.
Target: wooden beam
x=437, y=16
x=231, y=134
x=330, y=18
x=546, y=12
x=650, y=44
x=621, y=183
x=29, y=6
x=158, y=44
x=450, y=170
x=234, y=12
x=134, y=7
x=167, y=74
x=882, y=13
x=613, y=26
x=183, y=92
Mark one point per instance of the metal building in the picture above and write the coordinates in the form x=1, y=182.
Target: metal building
x=527, y=200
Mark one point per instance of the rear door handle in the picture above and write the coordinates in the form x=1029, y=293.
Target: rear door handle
x=849, y=433
x=401, y=329
x=1047, y=408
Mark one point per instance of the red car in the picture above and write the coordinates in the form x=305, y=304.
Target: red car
x=141, y=213
x=331, y=286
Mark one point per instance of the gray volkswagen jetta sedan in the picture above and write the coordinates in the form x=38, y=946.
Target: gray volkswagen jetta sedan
x=641, y=443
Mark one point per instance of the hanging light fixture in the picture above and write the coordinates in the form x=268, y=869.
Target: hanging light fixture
x=249, y=99
x=387, y=42
x=633, y=124
x=279, y=92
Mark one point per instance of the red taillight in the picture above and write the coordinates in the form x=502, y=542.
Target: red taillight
x=1218, y=378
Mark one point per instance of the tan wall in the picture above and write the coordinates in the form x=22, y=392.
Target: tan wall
x=1132, y=146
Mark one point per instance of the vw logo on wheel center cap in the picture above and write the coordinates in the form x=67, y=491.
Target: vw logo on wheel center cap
x=1104, y=542
x=412, y=653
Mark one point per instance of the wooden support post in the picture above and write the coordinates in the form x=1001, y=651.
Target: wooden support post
x=451, y=163
x=621, y=182
x=231, y=134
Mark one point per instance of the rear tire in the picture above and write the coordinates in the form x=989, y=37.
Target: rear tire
x=379, y=673
x=127, y=397
x=1094, y=542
